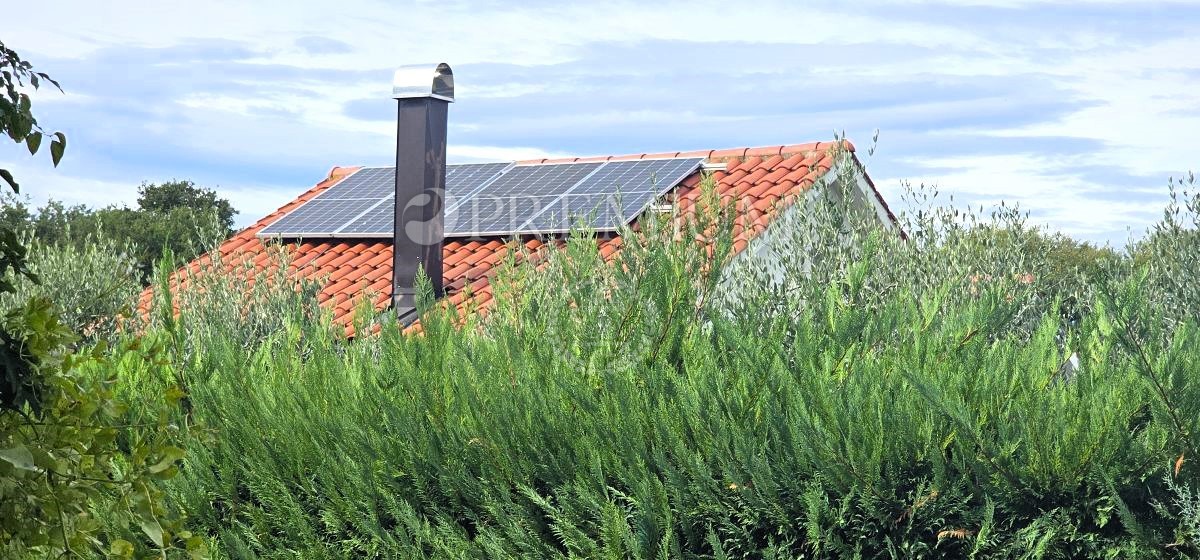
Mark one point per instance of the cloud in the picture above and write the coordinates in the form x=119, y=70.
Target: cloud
x=1076, y=110
x=313, y=44
x=1057, y=191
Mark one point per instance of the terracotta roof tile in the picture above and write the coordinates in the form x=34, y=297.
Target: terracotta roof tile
x=772, y=161
x=758, y=179
x=753, y=176
x=383, y=258
x=800, y=148
x=342, y=272
x=776, y=174
x=728, y=153
x=458, y=270
x=347, y=256
x=693, y=180
x=733, y=176
x=361, y=259
x=764, y=151
x=593, y=158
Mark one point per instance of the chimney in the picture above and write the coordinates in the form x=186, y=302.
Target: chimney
x=423, y=93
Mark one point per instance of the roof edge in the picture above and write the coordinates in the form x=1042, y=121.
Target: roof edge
x=760, y=151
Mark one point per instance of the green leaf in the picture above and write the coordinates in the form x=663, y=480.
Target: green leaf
x=20, y=457
x=174, y=394
x=57, y=146
x=153, y=529
x=33, y=142
x=170, y=455
x=49, y=79
x=121, y=548
x=4, y=174
x=22, y=126
x=196, y=548
x=167, y=474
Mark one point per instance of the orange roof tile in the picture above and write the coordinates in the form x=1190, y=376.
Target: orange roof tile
x=759, y=179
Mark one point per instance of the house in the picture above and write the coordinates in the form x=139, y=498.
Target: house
x=340, y=232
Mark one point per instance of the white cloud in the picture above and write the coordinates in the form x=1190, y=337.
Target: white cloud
x=1146, y=106
x=1138, y=99
x=41, y=182
x=389, y=33
x=1052, y=188
x=467, y=153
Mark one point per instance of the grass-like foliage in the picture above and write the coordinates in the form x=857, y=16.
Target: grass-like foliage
x=850, y=393
x=92, y=283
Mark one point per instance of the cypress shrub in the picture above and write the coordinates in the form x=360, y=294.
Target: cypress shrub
x=851, y=393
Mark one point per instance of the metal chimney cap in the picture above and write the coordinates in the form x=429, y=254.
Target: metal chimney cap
x=424, y=80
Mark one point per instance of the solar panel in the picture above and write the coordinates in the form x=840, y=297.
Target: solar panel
x=639, y=175
x=318, y=217
x=508, y=202
x=376, y=185
x=484, y=214
x=599, y=211
x=494, y=198
x=369, y=182
x=375, y=222
x=465, y=179
x=614, y=195
x=540, y=180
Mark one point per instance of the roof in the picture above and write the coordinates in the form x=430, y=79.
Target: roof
x=761, y=180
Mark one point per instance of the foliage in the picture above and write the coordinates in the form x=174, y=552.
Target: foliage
x=862, y=395
x=92, y=285
x=174, y=216
x=68, y=457
x=225, y=311
x=1170, y=254
x=166, y=197
x=77, y=464
x=17, y=388
x=16, y=109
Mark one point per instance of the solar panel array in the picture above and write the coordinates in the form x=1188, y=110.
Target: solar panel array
x=614, y=195
x=494, y=199
x=505, y=205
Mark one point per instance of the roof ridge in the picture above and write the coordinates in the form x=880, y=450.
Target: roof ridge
x=762, y=151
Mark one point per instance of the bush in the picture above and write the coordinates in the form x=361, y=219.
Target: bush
x=879, y=397
x=66, y=460
x=77, y=476
x=92, y=284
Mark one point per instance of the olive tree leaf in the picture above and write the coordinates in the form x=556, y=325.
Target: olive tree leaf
x=121, y=548
x=19, y=457
x=170, y=455
x=152, y=528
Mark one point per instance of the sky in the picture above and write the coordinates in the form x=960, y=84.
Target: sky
x=1076, y=111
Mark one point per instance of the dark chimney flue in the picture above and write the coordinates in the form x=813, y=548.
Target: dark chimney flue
x=423, y=94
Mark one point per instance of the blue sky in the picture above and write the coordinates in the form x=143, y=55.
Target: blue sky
x=1077, y=111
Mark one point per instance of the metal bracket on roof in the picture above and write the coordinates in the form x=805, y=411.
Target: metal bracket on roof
x=713, y=166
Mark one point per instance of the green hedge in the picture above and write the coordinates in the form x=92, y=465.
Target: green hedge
x=888, y=398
